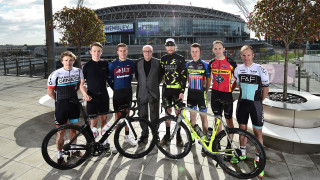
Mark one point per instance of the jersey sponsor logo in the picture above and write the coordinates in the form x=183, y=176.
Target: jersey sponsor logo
x=224, y=65
x=248, y=79
x=200, y=66
x=219, y=78
x=171, y=67
x=220, y=71
x=68, y=79
x=123, y=76
x=253, y=72
x=122, y=71
x=195, y=77
x=191, y=71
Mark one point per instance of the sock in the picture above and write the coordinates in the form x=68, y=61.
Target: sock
x=243, y=150
x=126, y=133
x=60, y=154
x=168, y=131
x=257, y=157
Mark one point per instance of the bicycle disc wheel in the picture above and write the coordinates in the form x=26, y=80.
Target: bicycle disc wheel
x=73, y=154
x=142, y=147
x=245, y=168
x=171, y=148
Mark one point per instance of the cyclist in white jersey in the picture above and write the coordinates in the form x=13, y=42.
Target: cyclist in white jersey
x=63, y=84
x=253, y=81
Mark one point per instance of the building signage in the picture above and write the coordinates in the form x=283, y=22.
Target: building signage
x=111, y=28
x=148, y=27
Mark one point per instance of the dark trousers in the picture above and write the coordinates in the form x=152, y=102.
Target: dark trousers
x=143, y=113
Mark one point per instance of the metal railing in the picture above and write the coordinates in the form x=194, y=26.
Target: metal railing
x=37, y=67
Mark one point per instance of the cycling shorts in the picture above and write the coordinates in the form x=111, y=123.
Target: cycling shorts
x=121, y=97
x=66, y=110
x=99, y=105
x=218, y=106
x=170, y=96
x=197, y=98
x=252, y=108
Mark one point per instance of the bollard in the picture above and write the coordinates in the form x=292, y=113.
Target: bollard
x=4, y=66
x=30, y=68
x=308, y=83
x=299, y=76
x=17, y=66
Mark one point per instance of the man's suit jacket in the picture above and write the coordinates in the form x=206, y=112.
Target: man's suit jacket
x=148, y=87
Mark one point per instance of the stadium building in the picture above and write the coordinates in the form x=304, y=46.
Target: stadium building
x=142, y=24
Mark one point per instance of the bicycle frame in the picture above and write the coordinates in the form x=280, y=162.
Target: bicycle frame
x=86, y=125
x=182, y=116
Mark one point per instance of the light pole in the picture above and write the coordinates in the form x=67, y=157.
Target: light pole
x=49, y=36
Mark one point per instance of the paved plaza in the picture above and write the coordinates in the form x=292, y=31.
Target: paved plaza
x=24, y=123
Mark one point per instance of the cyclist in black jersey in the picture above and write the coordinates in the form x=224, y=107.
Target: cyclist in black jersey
x=96, y=75
x=63, y=84
x=173, y=66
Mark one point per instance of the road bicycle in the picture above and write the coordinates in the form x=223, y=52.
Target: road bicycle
x=221, y=147
x=84, y=141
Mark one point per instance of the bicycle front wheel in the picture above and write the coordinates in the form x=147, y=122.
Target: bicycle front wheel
x=243, y=167
x=135, y=147
x=173, y=148
x=73, y=153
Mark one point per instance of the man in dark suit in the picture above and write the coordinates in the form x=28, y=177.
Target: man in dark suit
x=149, y=77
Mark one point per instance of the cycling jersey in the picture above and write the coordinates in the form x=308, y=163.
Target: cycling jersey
x=95, y=74
x=173, y=66
x=120, y=74
x=65, y=82
x=197, y=72
x=252, y=79
x=222, y=71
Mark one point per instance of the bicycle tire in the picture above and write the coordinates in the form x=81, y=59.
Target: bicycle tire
x=245, y=169
x=171, y=150
x=49, y=147
x=141, y=148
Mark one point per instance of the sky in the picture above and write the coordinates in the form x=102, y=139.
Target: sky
x=22, y=21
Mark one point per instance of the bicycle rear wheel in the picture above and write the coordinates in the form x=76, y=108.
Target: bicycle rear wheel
x=141, y=148
x=171, y=148
x=245, y=168
x=73, y=153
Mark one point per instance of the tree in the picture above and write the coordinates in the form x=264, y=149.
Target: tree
x=286, y=20
x=79, y=27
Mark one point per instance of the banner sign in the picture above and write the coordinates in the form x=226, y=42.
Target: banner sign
x=148, y=27
x=111, y=28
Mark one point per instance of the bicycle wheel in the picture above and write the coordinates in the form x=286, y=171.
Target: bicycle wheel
x=245, y=168
x=73, y=153
x=141, y=148
x=172, y=149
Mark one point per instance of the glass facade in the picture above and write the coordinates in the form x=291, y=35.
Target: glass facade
x=183, y=30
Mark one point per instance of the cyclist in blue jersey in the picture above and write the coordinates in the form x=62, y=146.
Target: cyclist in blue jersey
x=199, y=84
x=253, y=81
x=120, y=76
x=63, y=84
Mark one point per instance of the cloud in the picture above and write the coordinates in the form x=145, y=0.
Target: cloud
x=22, y=21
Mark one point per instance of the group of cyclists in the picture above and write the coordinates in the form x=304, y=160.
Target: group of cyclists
x=251, y=78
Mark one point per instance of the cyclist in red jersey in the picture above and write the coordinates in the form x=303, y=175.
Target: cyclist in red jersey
x=222, y=70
